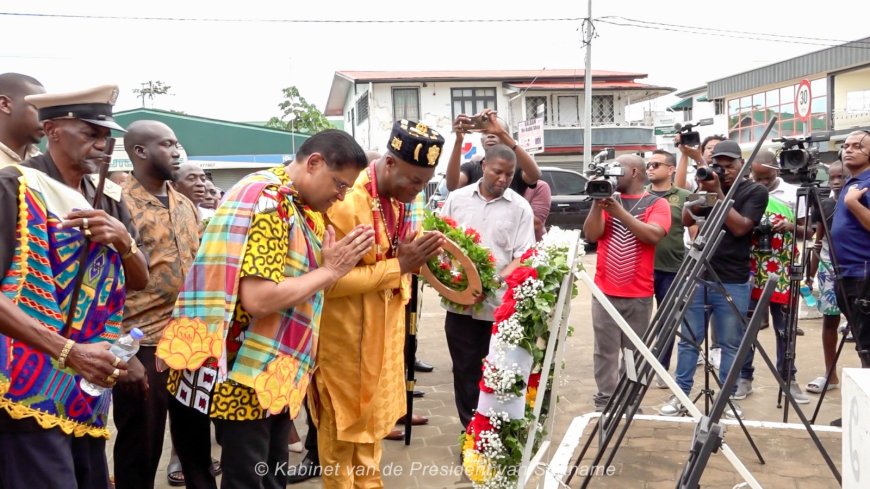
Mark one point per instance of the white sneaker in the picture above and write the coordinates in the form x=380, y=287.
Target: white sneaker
x=744, y=388
x=672, y=408
x=797, y=393
x=735, y=413
x=715, y=357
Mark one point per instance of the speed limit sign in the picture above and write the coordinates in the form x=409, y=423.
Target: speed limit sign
x=803, y=100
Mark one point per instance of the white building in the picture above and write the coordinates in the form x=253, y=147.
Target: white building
x=370, y=101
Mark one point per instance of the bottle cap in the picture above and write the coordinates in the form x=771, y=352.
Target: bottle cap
x=136, y=333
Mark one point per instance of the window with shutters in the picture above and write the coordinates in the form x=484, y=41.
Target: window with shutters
x=362, y=108
x=536, y=107
x=471, y=101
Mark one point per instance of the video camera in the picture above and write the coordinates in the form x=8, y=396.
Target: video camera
x=688, y=137
x=601, y=183
x=706, y=172
x=800, y=156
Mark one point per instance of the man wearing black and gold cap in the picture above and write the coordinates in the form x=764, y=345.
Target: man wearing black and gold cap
x=65, y=269
x=358, y=390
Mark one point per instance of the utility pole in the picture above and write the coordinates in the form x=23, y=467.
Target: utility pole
x=587, y=93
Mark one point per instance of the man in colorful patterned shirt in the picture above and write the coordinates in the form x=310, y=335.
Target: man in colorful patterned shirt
x=627, y=228
x=167, y=223
x=785, y=227
x=244, y=332
x=56, y=245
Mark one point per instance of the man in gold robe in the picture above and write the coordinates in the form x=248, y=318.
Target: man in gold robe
x=358, y=392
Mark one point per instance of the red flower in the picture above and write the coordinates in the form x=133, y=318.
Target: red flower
x=457, y=279
x=474, y=235
x=518, y=276
x=534, y=380
x=449, y=221
x=484, y=388
x=445, y=266
x=491, y=258
x=479, y=423
x=494, y=328
x=529, y=253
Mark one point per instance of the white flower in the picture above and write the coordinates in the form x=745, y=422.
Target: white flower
x=510, y=331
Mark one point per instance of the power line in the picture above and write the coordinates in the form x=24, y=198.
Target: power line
x=720, y=33
x=292, y=21
x=820, y=39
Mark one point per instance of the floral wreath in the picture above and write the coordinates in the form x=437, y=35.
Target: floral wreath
x=492, y=445
x=445, y=267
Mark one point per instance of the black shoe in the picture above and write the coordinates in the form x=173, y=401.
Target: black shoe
x=837, y=422
x=307, y=469
x=421, y=366
x=799, y=332
x=419, y=394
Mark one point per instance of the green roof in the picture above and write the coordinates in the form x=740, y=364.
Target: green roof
x=684, y=104
x=202, y=136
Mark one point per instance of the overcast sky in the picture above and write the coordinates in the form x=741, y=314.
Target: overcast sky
x=235, y=70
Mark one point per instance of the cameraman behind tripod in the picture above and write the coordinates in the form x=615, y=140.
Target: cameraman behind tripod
x=730, y=263
x=851, y=235
x=772, y=252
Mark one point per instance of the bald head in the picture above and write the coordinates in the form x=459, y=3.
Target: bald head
x=143, y=132
x=16, y=85
x=631, y=161
x=153, y=149
x=19, y=120
x=190, y=181
x=634, y=177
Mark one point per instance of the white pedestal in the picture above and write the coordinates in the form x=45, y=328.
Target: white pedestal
x=856, y=428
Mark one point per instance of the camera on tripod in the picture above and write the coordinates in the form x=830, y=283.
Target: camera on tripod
x=800, y=156
x=688, y=137
x=601, y=185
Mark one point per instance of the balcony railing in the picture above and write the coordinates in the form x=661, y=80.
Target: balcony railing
x=622, y=135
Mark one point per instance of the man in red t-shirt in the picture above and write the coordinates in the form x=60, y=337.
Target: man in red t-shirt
x=627, y=228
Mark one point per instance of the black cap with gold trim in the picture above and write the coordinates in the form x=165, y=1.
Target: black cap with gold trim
x=93, y=105
x=416, y=143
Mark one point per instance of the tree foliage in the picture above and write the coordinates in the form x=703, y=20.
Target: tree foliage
x=151, y=89
x=298, y=115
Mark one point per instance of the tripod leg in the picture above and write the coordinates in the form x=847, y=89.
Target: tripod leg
x=828, y=376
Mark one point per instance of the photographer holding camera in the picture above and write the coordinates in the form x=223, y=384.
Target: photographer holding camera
x=730, y=263
x=772, y=252
x=627, y=228
x=702, y=155
x=851, y=235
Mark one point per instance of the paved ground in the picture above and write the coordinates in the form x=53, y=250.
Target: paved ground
x=654, y=452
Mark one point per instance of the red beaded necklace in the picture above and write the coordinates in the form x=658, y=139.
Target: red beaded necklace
x=382, y=217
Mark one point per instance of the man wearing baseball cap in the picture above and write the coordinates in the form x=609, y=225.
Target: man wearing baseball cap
x=730, y=262
x=67, y=259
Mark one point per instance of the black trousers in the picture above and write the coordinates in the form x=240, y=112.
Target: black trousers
x=311, y=436
x=141, y=423
x=468, y=342
x=254, y=454
x=191, y=437
x=32, y=457
x=858, y=314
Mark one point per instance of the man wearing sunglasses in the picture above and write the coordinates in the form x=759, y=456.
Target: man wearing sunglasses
x=671, y=250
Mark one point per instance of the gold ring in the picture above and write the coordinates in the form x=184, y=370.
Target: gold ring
x=116, y=362
x=88, y=233
x=110, y=380
x=84, y=222
x=116, y=373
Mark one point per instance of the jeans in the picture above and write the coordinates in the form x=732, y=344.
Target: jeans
x=662, y=282
x=727, y=323
x=779, y=318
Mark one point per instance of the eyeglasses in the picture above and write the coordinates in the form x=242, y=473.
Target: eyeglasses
x=654, y=165
x=341, y=187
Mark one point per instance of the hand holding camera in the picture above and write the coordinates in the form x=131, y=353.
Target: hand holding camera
x=481, y=122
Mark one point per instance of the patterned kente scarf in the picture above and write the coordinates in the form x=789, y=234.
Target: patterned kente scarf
x=40, y=282
x=276, y=364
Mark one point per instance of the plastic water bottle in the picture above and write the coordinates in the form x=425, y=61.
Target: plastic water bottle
x=124, y=348
x=809, y=298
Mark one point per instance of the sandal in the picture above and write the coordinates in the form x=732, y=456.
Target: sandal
x=175, y=477
x=816, y=385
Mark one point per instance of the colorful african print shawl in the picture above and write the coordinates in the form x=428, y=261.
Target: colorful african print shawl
x=40, y=283
x=275, y=362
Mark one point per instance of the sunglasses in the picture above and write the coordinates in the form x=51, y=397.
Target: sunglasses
x=654, y=165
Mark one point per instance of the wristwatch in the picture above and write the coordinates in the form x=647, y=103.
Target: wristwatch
x=134, y=248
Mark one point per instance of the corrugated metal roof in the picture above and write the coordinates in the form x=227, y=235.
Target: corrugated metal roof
x=602, y=85
x=202, y=136
x=516, y=75
x=854, y=53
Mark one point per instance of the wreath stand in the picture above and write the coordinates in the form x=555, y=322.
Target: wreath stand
x=558, y=328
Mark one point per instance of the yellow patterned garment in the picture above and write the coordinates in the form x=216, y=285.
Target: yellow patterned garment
x=266, y=254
